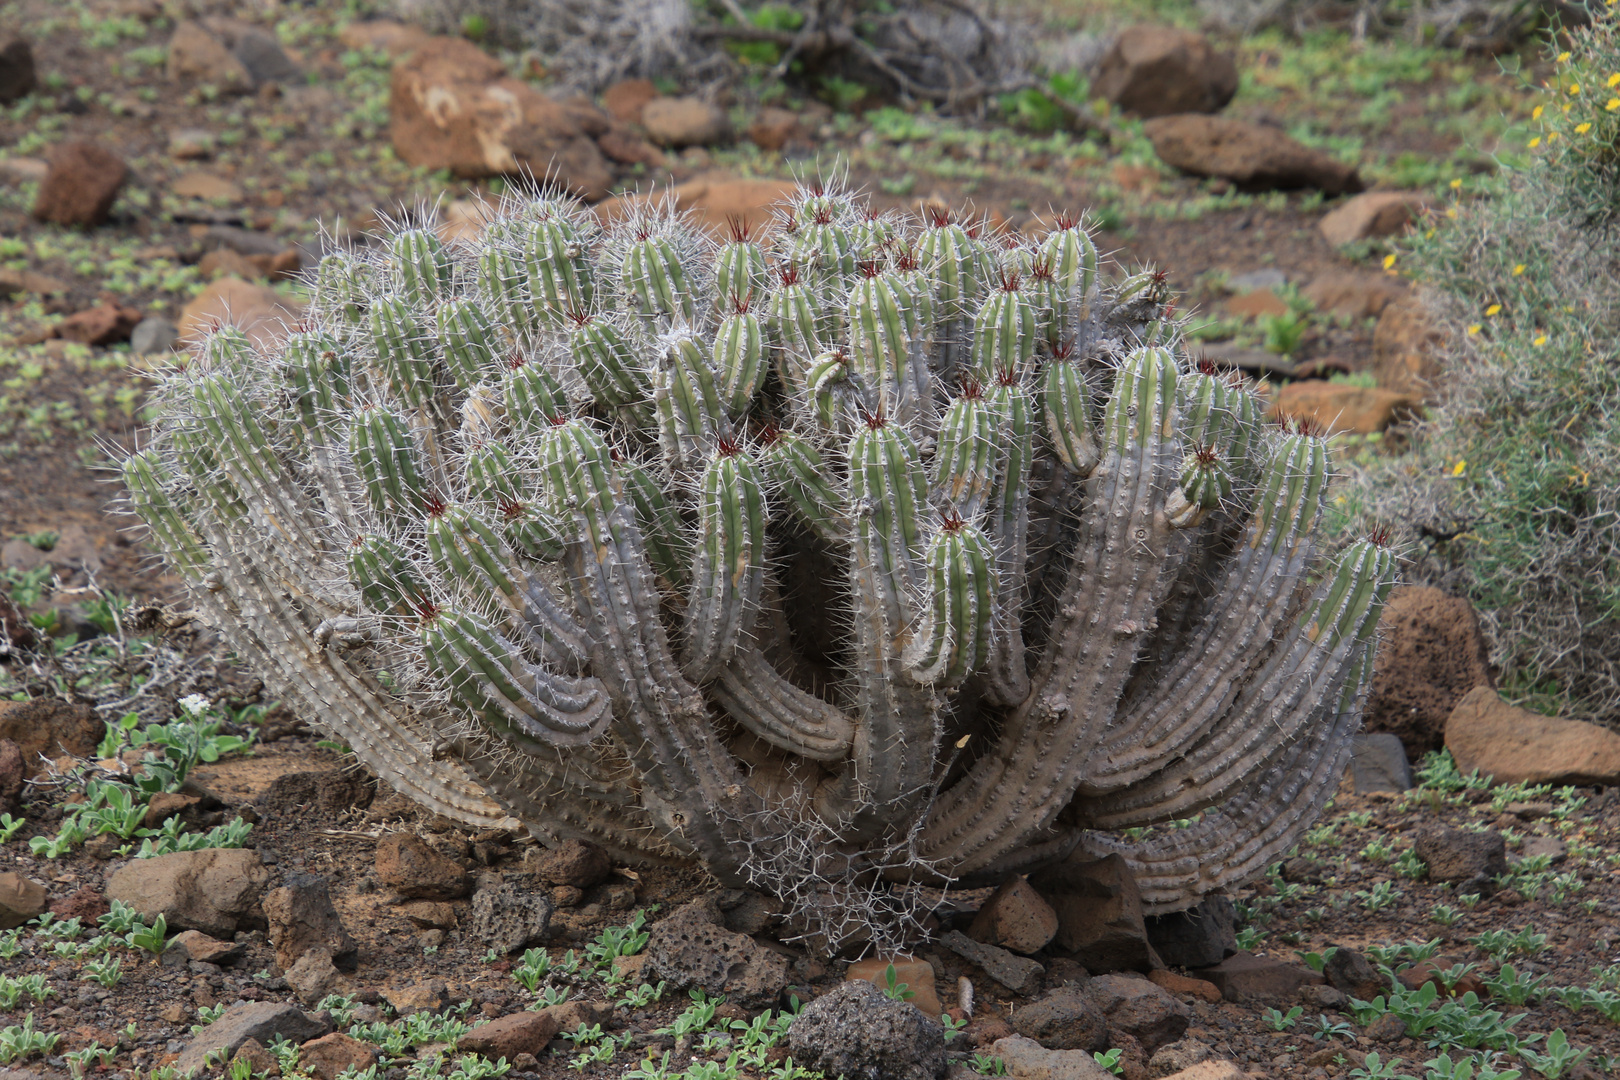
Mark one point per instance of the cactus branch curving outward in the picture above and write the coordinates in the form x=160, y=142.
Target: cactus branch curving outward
x=856, y=554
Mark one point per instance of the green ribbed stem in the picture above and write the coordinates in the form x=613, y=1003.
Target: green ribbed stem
x=954, y=639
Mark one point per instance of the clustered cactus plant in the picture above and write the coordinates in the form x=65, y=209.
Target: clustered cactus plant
x=867, y=555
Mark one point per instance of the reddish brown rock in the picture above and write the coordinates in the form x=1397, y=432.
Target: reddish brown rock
x=11, y=776
x=1139, y=1008
x=1182, y=984
x=509, y=1036
x=1407, y=348
x=1418, y=975
x=406, y=864
x=1257, y=304
x=579, y=863
x=918, y=975
x=1373, y=214
x=1353, y=295
x=1343, y=406
x=214, y=890
x=715, y=198
x=625, y=100
x=452, y=106
x=1352, y=974
x=17, y=75
x=1246, y=977
x=621, y=144
x=775, y=128
x=189, y=945
x=1161, y=70
x=210, y=187
x=21, y=899
x=1015, y=917
x=258, y=1060
x=430, y=914
x=685, y=121
x=263, y=314
x=1431, y=652
x=197, y=56
x=1099, y=910
x=1063, y=1019
x=223, y=262
x=1472, y=859
x=104, y=324
x=165, y=805
x=301, y=917
x=1214, y=1070
x=1518, y=746
x=1253, y=157
x=331, y=1055
x=46, y=727
x=418, y=997
x=388, y=35
x=81, y=182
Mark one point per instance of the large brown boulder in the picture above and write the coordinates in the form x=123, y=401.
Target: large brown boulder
x=1252, y=156
x=1431, y=652
x=452, y=106
x=1161, y=70
x=1515, y=745
x=215, y=890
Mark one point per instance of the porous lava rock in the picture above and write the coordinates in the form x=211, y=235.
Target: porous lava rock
x=856, y=1032
x=693, y=949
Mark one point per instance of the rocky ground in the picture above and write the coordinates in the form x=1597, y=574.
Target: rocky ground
x=163, y=167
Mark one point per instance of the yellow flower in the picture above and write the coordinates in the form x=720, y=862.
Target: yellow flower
x=1472, y=330
x=1457, y=469
x=1551, y=135
x=1574, y=88
x=1456, y=183
x=1563, y=58
x=1614, y=103
x=1517, y=270
x=1614, y=80
x=1582, y=129
x=1533, y=143
x=1494, y=309
x=1451, y=212
x=1541, y=339
x=1389, y=261
x=1535, y=113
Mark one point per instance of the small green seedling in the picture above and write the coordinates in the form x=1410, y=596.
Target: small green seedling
x=893, y=988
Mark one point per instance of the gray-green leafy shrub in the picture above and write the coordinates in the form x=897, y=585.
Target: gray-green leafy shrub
x=1512, y=489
